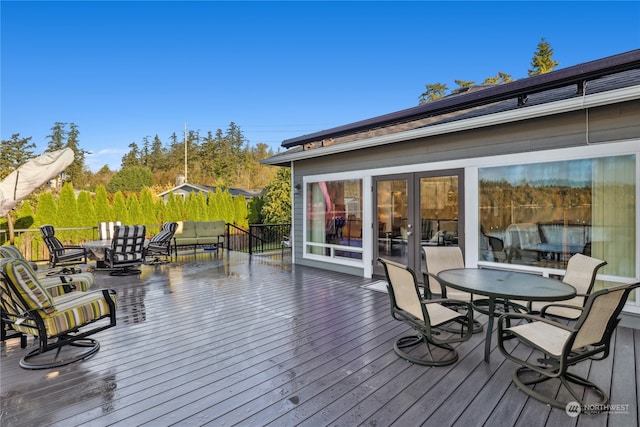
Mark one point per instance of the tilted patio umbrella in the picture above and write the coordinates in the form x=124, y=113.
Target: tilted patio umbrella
x=28, y=177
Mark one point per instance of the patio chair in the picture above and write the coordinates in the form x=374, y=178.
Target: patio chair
x=60, y=254
x=558, y=347
x=62, y=323
x=55, y=285
x=106, y=230
x=126, y=251
x=437, y=259
x=581, y=274
x=160, y=244
x=426, y=317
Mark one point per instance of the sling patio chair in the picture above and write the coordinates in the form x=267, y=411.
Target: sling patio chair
x=126, y=251
x=430, y=345
x=581, y=274
x=62, y=323
x=437, y=259
x=557, y=347
x=160, y=244
x=60, y=254
x=56, y=285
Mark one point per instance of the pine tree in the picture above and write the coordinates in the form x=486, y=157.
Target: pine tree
x=14, y=153
x=542, y=61
x=277, y=206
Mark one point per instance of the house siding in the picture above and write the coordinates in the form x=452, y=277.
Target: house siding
x=603, y=124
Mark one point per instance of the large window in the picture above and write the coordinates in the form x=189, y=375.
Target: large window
x=541, y=214
x=334, y=219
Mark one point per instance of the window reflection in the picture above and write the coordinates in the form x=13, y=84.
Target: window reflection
x=541, y=214
x=334, y=218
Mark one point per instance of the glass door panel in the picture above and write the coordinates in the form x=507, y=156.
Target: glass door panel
x=392, y=219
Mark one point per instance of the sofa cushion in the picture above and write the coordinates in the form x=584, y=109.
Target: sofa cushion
x=186, y=229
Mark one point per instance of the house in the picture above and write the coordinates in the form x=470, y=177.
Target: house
x=184, y=189
x=556, y=155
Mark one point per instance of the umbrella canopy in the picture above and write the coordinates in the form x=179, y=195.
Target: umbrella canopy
x=31, y=175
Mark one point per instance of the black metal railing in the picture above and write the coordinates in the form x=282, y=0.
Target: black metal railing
x=259, y=238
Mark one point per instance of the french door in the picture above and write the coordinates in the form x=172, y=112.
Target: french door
x=415, y=210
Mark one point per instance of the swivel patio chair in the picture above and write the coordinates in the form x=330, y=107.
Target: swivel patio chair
x=55, y=285
x=126, y=251
x=60, y=254
x=160, y=244
x=62, y=323
x=430, y=345
x=581, y=274
x=558, y=347
x=437, y=259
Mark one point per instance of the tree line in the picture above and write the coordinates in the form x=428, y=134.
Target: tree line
x=541, y=63
x=220, y=159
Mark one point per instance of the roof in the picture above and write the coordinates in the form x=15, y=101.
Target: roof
x=187, y=188
x=607, y=74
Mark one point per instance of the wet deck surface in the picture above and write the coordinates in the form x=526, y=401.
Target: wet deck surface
x=232, y=341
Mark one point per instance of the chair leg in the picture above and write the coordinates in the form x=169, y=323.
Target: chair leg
x=526, y=385
x=413, y=341
x=37, y=359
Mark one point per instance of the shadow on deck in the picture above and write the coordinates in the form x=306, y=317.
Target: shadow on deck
x=239, y=341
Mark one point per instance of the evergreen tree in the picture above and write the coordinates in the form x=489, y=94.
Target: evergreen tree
x=174, y=208
x=131, y=178
x=25, y=218
x=161, y=212
x=149, y=210
x=191, y=207
x=277, y=206
x=433, y=92
x=104, y=211
x=120, y=208
x=134, y=210
x=57, y=137
x=68, y=216
x=14, y=153
x=75, y=171
x=46, y=210
x=87, y=214
x=256, y=205
x=202, y=206
x=498, y=78
x=542, y=61
x=240, y=212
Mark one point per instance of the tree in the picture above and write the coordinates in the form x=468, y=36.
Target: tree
x=134, y=210
x=46, y=210
x=132, y=178
x=104, y=211
x=120, y=210
x=75, y=171
x=56, y=139
x=542, y=61
x=277, y=206
x=498, y=78
x=434, y=91
x=464, y=83
x=68, y=215
x=14, y=153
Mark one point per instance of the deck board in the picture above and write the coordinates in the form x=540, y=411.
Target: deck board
x=254, y=341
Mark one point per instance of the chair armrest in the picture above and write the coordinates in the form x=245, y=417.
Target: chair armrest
x=425, y=278
x=559, y=305
x=531, y=317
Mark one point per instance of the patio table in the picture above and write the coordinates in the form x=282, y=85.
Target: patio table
x=96, y=250
x=507, y=285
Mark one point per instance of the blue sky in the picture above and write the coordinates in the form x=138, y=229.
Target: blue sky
x=124, y=70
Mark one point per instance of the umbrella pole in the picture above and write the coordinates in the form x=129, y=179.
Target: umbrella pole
x=10, y=225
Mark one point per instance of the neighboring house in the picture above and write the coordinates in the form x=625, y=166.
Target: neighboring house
x=183, y=191
x=556, y=155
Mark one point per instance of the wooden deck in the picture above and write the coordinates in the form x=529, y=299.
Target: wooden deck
x=233, y=341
